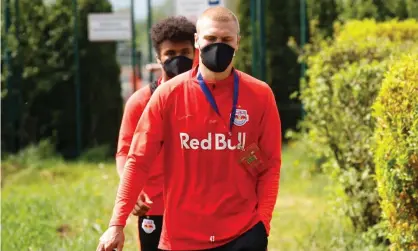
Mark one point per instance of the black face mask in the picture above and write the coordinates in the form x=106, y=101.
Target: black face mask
x=217, y=57
x=177, y=65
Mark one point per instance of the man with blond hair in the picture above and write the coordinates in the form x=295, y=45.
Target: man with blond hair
x=220, y=132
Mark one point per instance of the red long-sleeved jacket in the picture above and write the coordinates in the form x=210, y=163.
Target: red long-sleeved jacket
x=210, y=197
x=133, y=111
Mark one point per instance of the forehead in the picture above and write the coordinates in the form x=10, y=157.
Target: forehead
x=209, y=27
x=177, y=45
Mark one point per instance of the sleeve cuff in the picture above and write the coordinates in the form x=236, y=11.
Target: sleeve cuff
x=117, y=223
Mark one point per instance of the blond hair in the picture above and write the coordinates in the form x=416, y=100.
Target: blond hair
x=219, y=14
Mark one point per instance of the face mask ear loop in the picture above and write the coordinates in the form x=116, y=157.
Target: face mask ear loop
x=200, y=49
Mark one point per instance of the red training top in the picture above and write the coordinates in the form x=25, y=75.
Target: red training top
x=210, y=197
x=133, y=111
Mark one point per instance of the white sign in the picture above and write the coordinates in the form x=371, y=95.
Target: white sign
x=109, y=26
x=193, y=8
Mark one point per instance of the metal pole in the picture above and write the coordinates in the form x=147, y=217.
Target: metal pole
x=149, y=36
x=303, y=20
x=253, y=12
x=133, y=42
x=77, y=80
x=17, y=79
x=262, y=43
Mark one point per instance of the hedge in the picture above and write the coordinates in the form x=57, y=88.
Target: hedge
x=396, y=153
x=343, y=79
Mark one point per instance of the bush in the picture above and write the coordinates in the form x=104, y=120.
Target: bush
x=97, y=154
x=33, y=156
x=344, y=77
x=396, y=156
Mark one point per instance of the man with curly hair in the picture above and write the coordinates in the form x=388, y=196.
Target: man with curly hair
x=173, y=42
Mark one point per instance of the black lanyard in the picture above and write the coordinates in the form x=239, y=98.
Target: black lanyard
x=212, y=101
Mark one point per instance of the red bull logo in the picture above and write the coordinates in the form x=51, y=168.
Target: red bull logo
x=241, y=117
x=148, y=226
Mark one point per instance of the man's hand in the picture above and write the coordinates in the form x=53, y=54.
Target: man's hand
x=112, y=239
x=143, y=205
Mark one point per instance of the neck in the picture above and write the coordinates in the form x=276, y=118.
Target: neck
x=164, y=77
x=209, y=75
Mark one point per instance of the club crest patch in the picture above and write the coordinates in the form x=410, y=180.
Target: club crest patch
x=148, y=226
x=241, y=117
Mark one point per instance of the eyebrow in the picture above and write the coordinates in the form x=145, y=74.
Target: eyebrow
x=169, y=51
x=214, y=36
x=175, y=51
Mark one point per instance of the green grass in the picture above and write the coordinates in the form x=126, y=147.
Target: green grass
x=66, y=206
x=303, y=219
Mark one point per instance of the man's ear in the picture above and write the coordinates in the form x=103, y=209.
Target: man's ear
x=238, y=41
x=196, y=38
x=157, y=58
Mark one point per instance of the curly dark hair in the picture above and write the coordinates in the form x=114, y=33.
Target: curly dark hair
x=176, y=29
